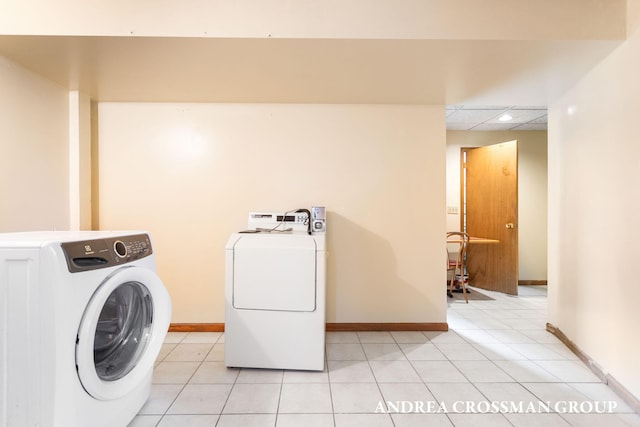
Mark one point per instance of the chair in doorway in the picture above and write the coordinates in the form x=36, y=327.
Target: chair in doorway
x=455, y=261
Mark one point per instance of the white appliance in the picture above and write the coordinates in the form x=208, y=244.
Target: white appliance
x=275, y=293
x=83, y=318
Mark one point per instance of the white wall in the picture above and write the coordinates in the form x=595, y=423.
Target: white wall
x=34, y=161
x=594, y=159
x=190, y=173
x=532, y=192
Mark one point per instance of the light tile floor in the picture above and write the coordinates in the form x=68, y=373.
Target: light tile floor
x=496, y=352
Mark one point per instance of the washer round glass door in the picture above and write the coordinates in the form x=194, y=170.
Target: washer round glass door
x=123, y=329
x=121, y=332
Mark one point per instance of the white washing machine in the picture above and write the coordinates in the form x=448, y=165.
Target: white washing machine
x=275, y=293
x=83, y=318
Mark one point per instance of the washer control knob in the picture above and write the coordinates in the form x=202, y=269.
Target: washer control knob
x=120, y=248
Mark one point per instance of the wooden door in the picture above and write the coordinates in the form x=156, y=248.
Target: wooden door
x=492, y=211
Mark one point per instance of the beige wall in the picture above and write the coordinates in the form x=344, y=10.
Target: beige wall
x=190, y=173
x=532, y=192
x=34, y=161
x=593, y=212
x=79, y=161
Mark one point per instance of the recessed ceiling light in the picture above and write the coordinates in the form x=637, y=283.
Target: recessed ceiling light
x=505, y=117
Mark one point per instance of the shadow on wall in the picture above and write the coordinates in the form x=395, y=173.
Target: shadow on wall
x=363, y=282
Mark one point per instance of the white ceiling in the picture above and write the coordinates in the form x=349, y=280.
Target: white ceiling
x=479, y=117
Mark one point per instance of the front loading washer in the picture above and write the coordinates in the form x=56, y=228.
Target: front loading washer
x=83, y=318
x=275, y=290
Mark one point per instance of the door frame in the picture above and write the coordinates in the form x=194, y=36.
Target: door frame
x=463, y=187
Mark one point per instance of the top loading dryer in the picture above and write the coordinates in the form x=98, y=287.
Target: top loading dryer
x=275, y=291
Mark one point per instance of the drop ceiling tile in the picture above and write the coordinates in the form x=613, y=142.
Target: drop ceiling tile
x=472, y=116
x=521, y=116
x=484, y=107
x=493, y=126
x=542, y=119
x=485, y=117
x=529, y=107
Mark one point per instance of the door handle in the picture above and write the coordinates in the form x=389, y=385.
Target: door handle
x=509, y=225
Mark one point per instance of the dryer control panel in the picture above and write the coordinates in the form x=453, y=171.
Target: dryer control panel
x=301, y=220
x=102, y=253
